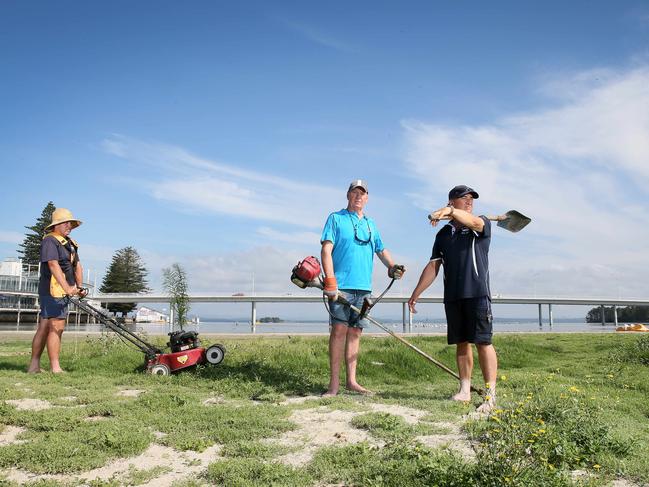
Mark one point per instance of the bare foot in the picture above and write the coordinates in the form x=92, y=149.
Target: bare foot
x=462, y=397
x=36, y=370
x=359, y=389
x=58, y=371
x=329, y=393
x=486, y=407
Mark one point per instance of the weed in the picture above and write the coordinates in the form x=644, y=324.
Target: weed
x=389, y=427
x=251, y=473
x=254, y=449
x=633, y=351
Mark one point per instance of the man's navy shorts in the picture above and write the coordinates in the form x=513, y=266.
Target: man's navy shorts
x=53, y=307
x=343, y=313
x=469, y=320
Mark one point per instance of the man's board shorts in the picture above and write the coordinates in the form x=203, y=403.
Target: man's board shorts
x=343, y=313
x=53, y=307
x=469, y=320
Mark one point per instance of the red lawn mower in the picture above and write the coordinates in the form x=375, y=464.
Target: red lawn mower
x=186, y=349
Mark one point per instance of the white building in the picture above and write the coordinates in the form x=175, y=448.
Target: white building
x=11, y=267
x=148, y=315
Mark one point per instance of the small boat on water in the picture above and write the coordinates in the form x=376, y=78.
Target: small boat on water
x=634, y=327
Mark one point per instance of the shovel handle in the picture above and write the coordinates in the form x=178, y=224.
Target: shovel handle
x=493, y=218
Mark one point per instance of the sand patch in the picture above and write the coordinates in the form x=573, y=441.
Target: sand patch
x=69, y=398
x=298, y=400
x=130, y=392
x=410, y=415
x=182, y=465
x=321, y=426
x=214, y=400
x=29, y=404
x=317, y=428
x=9, y=435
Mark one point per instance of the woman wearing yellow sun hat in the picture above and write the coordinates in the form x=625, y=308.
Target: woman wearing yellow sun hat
x=61, y=276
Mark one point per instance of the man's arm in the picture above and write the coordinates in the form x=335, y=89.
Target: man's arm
x=394, y=271
x=464, y=217
x=327, y=260
x=427, y=277
x=57, y=272
x=385, y=257
x=78, y=274
x=330, y=284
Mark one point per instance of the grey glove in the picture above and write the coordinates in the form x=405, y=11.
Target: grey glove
x=396, y=271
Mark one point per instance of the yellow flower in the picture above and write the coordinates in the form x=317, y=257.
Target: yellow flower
x=597, y=466
x=503, y=377
x=610, y=376
x=573, y=389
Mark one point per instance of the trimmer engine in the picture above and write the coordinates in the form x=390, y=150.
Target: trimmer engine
x=306, y=271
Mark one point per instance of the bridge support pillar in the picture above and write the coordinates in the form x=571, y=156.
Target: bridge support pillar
x=615, y=315
x=550, y=314
x=540, y=316
x=253, y=317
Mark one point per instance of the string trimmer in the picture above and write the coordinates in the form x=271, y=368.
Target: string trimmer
x=307, y=273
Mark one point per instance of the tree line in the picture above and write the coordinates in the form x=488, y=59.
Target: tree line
x=626, y=314
x=126, y=272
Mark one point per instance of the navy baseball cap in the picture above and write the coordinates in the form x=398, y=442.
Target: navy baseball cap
x=460, y=191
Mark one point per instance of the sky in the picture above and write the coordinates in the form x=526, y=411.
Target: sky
x=220, y=135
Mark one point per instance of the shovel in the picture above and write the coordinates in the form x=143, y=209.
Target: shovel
x=513, y=220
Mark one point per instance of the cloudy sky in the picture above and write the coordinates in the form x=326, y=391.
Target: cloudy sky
x=221, y=135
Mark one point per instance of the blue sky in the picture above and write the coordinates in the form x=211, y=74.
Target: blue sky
x=221, y=136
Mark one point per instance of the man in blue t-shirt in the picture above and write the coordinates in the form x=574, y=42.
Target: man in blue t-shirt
x=462, y=248
x=349, y=241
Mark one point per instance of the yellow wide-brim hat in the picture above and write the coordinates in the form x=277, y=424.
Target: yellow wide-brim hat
x=62, y=215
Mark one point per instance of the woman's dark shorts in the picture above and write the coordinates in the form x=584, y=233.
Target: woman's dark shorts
x=343, y=313
x=53, y=307
x=469, y=320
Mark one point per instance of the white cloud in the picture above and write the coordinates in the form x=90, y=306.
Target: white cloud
x=11, y=237
x=579, y=168
x=221, y=188
x=319, y=37
x=297, y=238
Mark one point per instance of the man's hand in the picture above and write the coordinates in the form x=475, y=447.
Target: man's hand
x=446, y=212
x=72, y=290
x=330, y=288
x=411, y=304
x=396, y=271
x=83, y=292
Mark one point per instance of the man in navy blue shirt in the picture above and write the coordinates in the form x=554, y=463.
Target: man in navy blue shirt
x=462, y=248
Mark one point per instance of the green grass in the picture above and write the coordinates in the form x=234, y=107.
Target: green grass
x=586, y=392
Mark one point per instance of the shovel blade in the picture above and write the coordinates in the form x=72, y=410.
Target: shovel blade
x=514, y=221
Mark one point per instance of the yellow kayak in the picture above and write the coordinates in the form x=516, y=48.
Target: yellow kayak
x=633, y=327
